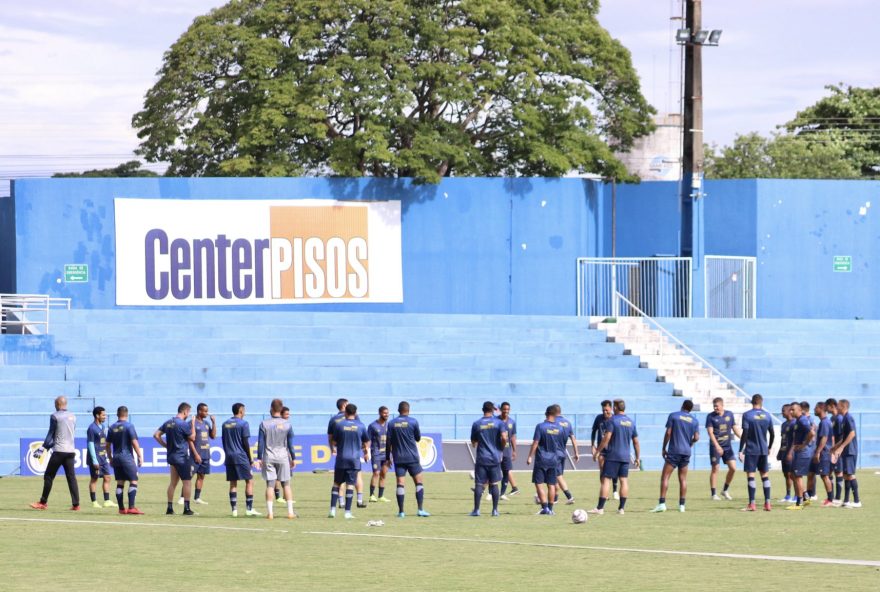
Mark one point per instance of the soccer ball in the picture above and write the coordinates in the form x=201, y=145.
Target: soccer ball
x=579, y=516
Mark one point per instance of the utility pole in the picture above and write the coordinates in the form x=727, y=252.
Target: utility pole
x=692, y=130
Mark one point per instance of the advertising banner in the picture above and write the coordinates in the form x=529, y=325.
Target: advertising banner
x=236, y=252
x=312, y=453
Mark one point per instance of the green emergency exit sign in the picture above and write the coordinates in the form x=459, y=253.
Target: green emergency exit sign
x=843, y=263
x=76, y=273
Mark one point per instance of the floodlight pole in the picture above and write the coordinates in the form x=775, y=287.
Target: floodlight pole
x=692, y=140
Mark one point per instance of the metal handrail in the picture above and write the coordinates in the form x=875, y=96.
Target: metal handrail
x=22, y=304
x=666, y=333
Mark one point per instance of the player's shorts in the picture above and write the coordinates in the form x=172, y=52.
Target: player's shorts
x=401, y=469
x=541, y=476
x=125, y=471
x=238, y=472
x=376, y=461
x=800, y=464
x=276, y=471
x=823, y=467
x=348, y=476
x=560, y=469
x=487, y=473
x=203, y=468
x=184, y=469
x=103, y=469
x=848, y=464
x=679, y=461
x=506, y=463
x=756, y=462
x=786, y=466
x=726, y=455
x=613, y=469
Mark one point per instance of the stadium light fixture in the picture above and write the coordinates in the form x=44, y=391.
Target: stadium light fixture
x=714, y=37
x=701, y=36
x=682, y=36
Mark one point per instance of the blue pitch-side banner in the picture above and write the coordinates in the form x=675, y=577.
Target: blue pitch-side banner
x=312, y=453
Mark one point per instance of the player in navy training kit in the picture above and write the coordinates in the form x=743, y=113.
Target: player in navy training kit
x=204, y=432
x=596, y=435
x=235, y=435
x=799, y=453
x=820, y=464
x=682, y=432
x=720, y=424
x=754, y=448
x=122, y=447
x=548, y=440
x=509, y=452
x=785, y=437
x=99, y=468
x=489, y=438
x=180, y=442
x=378, y=432
x=848, y=452
x=831, y=407
x=403, y=450
x=359, y=484
x=568, y=430
x=350, y=439
x=620, y=433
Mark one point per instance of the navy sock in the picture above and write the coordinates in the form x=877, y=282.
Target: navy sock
x=714, y=491
x=334, y=497
x=132, y=493
x=726, y=486
x=349, y=498
x=233, y=499
x=381, y=491
x=504, y=481
x=170, y=507
x=249, y=502
x=106, y=496
x=838, y=487
x=601, y=504
x=662, y=500
x=92, y=496
x=372, y=490
x=567, y=493
x=420, y=495
x=751, y=484
x=478, y=496
x=496, y=493
x=847, y=488
x=400, y=495
x=766, y=484
x=614, y=484
x=855, y=490
x=681, y=501
x=119, y=498
x=186, y=505
x=622, y=503
x=198, y=493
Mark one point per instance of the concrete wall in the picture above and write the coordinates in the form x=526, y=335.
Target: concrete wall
x=495, y=246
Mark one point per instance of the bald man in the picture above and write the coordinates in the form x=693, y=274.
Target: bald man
x=59, y=440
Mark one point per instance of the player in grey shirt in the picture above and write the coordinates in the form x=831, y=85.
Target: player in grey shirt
x=276, y=456
x=59, y=440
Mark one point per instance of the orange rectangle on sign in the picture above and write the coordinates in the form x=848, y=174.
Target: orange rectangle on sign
x=320, y=251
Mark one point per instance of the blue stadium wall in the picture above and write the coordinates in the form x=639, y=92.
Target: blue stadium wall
x=488, y=246
x=496, y=246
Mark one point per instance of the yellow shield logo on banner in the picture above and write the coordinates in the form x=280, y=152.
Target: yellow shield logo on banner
x=427, y=452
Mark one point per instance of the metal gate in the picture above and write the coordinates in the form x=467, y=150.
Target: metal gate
x=730, y=287
x=660, y=286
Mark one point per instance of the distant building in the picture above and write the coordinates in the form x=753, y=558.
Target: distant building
x=657, y=157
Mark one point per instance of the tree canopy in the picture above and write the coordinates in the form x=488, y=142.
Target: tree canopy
x=418, y=88
x=836, y=138
x=132, y=168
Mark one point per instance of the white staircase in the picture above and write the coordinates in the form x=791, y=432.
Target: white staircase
x=689, y=376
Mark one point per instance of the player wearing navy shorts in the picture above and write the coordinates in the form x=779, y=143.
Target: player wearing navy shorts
x=548, y=440
x=99, y=467
x=620, y=434
x=799, y=454
x=596, y=435
x=204, y=429
x=403, y=450
x=350, y=439
x=720, y=425
x=785, y=437
x=754, y=448
x=378, y=432
x=682, y=432
x=180, y=443
x=821, y=462
x=509, y=452
x=122, y=450
x=848, y=452
x=568, y=431
x=831, y=408
x=488, y=438
x=235, y=435
x=335, y=419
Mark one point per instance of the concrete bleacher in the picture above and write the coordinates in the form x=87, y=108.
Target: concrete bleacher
x=445, y=365
x=786, y=360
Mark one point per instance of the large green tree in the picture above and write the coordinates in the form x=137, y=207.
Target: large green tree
x=132, y=168
x=421, y=88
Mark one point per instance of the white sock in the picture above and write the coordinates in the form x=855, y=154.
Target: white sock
x=290, y=506
x=269, y=505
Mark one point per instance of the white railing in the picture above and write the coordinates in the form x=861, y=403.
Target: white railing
x=620, y=298
x=662, y=285
x=730, y=287
x=28, y=313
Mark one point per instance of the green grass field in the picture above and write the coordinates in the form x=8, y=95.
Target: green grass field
x=94, y=549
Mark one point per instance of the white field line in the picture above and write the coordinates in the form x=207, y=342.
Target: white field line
x=794, y=559
x=155, y=524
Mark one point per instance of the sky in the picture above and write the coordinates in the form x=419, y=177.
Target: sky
x=73, y=72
